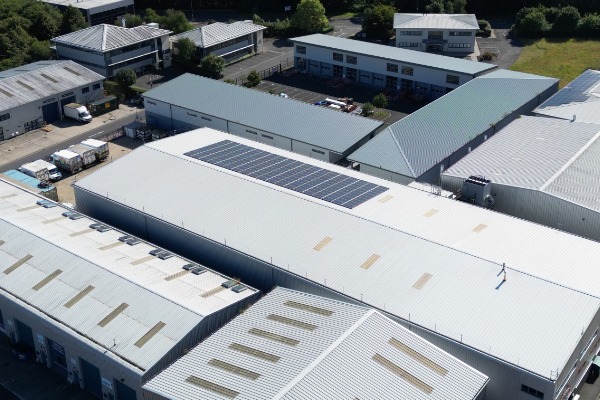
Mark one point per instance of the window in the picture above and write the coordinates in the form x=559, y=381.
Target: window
x=459, y=33
x=267, y=136
x=351, y=59
x=407, y=70
x=95, y=86
x=150, y=102
x=392, y=67
x=1, y=320
x=338, y=57
x=252, y=132
x=318, y=151
x=535, y=393
x=410, y=33
x=205, y=118
x=459, y=45
x=85, y=89
x=452, y=79
x=301, y=49
x=435, y=35
x=408, y=44
x=4, y=117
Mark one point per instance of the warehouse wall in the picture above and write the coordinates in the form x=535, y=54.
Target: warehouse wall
x=381, y=173
x=258, y=135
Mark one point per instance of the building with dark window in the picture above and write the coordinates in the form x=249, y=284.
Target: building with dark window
x=97, y=11
x=106, y=49
x=228, y=41
x=34, y=94
x=449, y=34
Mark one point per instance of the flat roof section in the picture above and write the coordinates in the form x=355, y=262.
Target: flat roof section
x=386, y=247
x=101, y=5
x=396, y=54
x=318, y=126
x=340, y=351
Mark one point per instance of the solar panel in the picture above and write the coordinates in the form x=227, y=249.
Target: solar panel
x=576, y=91
x=304, y=178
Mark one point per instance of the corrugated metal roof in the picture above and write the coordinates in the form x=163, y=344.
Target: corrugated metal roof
x=397, y=225
x=332, y=360
x=396, y=54
x=43, y=81
x=580, y=99
x=434, y=132
x=100, y=5
x=547, y=154
x=209, y=35
x=87, y=257
x=329, y=129
x=106, y=37
x=435, y=21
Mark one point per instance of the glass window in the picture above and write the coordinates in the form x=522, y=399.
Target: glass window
x=351, y=59
x=96, y=86
x=392, y=67
x=1, y=320
x=4, y=117
x=436, y=35
x=85, y=89
x=301, y=49
x=452, y=79
x=460, y=33
x=338, y=57
x=407, y=70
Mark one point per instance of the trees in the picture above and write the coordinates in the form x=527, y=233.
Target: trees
x=73, y=20
x=185, y=52
x=436, y=7
x=310, y=16
x=253, y=79
x=175, y=21
x=151, y=16
x=211, y=66
x=125, y=78
x=380, y=100
x=131, y=20
x=533, y=24
x=378, y=22
x=566, y=21
x=589, y=25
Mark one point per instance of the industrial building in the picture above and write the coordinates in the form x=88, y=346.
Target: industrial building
x=515, y=300
x=190, y=101
x=421, y=146
x=578, y=101
x=30, y=183
x=107, y=49
x=541, y=169
x=97, y=12
x=420, y=73
x=231, y=42
x=292, y=345
x=34, y=94
x=450, y=34
x=106, y=311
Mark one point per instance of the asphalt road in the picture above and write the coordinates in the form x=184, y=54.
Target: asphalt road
x=45, y=153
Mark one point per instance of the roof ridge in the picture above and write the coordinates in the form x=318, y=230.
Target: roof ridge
x=324, y=354
x=401, y=151
x=104, y=34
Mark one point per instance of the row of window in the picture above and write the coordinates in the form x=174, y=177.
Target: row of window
x=435, y=33
x=459, y=45
x=131, y=47
x=349, y=59
x=408, y=44
x=533, y=392
x=453, y=79
x=410, y=33
x=59, y=45
x=4, y=117
x=231, y=42
x=460, y=33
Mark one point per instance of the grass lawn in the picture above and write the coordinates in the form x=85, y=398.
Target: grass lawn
x=559, y=58
x=347, y=15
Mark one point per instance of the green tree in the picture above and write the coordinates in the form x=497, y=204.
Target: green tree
x=458, y=6
x=39, y=50
x=46, y=20
x=589, y=25
x=380, y=101
x=566, y=22
x=73, y=20
x=151, y=16
x=436, y=7
x=310, y=16
x=185, y=52
x=131, y=20
x=533, y=25
x=125, y=78
x=211, y=66
x=378, y=22
x=175, y=21
x=367, y=109
x=253, y=79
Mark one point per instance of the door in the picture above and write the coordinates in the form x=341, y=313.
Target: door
x=57, y=358
x=124, y=392
x=50, y=112
x=91, y=378
x=25, y=335
x=365, y=77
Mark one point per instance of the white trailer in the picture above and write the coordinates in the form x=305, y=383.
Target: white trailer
x=68, y=161
x=88, y=155
x=36, y=170
x=100, y=148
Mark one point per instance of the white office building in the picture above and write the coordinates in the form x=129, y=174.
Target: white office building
x=97, y=12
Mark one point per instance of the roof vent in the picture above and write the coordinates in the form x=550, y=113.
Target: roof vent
x=229, y=284
x=238, y=288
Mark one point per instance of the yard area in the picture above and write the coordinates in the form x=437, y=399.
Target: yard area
x=559, y=58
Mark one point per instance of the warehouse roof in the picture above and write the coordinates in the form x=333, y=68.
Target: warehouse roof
x=396, y=54
x=209, y=35
x=106, y=37
x=42, y=81
x=551, y=155
x=435, y=21
x=93, y=283
x=339, y=351
x=100, y=5
x=415, y=144
x=25, y=180
x=579, y=100
x=328, y=129
x=405, y=251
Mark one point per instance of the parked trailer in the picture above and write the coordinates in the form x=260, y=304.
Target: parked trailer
x=67, y=160
x=36, y=170
x=100, y=148
x=88, y=155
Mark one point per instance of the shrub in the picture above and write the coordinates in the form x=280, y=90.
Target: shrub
x=379, y=101
x=589, y=25
x=566, y=22
x=367, y=109
x=253, y=79
x=532, y=25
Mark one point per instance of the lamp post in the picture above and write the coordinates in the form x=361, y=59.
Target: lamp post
x=192, y=7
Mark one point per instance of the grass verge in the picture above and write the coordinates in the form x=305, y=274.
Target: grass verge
x=559, y=58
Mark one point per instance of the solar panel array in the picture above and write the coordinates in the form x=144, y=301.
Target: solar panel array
x=576, y=91
x=304, y=178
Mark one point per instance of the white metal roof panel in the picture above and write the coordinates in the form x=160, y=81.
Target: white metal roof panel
x=464, y=264
x=42, y=81
x=395, y=54
x=100, y=5
x=435, y=21
x=106, y=37
x=318, y=126
x=333, y=360
x=86, y=257
x=434, y=132
x=218, y=32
